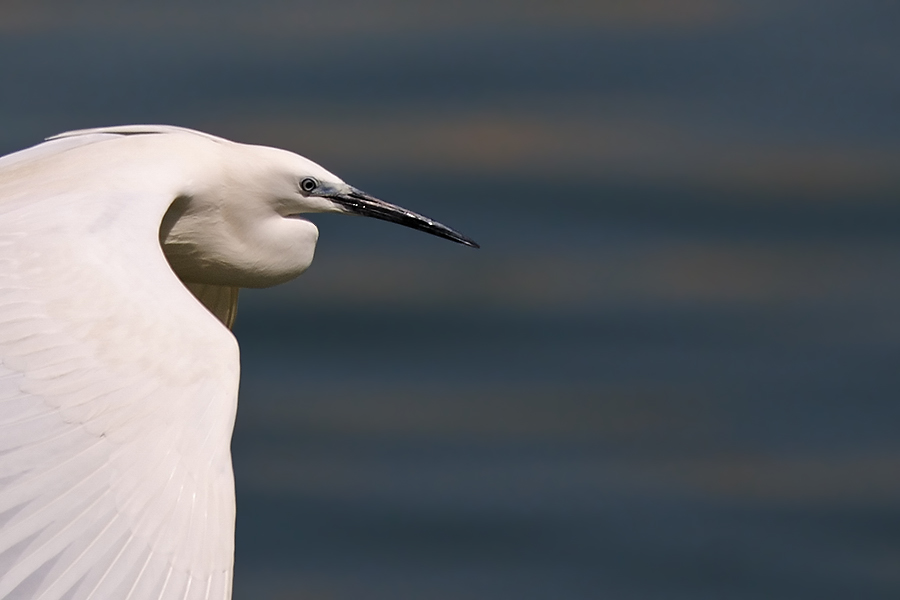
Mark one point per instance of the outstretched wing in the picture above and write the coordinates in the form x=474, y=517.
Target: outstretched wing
x=118, y=389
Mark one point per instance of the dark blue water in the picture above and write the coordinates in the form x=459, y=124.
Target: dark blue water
x=606, y=446
x=671, y=370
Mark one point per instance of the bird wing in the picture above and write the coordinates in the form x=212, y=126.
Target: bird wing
x=118, y=390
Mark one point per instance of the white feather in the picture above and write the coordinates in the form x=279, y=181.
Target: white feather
x=122, y=251
x=118, y=388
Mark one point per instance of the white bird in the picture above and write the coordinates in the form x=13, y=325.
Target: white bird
x=118, y=388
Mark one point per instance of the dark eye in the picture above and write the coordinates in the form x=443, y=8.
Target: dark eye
x=309, y=184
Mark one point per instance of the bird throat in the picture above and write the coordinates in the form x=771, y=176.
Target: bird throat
x=220, y=300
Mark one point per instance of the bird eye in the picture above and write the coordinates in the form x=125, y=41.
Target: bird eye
x=308, y=184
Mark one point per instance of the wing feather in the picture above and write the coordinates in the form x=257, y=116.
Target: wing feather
x=117, y=387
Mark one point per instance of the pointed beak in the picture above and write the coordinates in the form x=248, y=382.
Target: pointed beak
x=357, y=202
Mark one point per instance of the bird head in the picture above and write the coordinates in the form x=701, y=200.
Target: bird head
x=245, y=227
x=311, y=188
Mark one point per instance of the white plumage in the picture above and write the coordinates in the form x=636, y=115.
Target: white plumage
x=118, y=388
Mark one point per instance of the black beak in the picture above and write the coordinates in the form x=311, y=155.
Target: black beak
x=360, y=203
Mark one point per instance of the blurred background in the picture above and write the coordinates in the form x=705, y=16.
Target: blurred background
x=671, y=372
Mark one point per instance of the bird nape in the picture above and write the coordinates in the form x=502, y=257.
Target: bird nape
x=123, y=251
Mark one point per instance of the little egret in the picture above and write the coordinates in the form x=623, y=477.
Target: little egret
x=122, y=251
